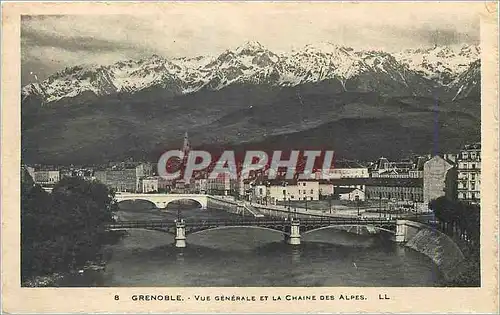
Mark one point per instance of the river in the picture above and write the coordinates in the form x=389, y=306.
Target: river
x=254, y=257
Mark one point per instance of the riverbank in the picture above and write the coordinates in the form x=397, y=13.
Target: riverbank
x=457, y=269
x=44, y=281
x=96, y=263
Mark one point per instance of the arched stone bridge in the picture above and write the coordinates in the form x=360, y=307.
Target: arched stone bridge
x=292, y=229
x=161, y=201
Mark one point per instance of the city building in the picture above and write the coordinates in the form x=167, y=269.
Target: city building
x=439, y=179
x=303, y=190
x=44, y=177
x=200, y=185
x=350, y=194
x=274, y=191
x=150, y=184
x=328, y=187
x=399, y=189
x=222, y=185
x=469, y=173
x=124, y=176
x=412, y=168
x=344, y=169
x=119, y=180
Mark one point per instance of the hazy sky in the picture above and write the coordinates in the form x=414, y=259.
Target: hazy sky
x=52, y=42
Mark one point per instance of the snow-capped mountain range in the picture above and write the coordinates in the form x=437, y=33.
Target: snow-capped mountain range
x=453, y=68
x=443, y=64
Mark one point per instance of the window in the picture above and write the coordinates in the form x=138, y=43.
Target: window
x=473, y=166
x=312, y=191
x=260, y=191
x=284, y=192
x=303, y=184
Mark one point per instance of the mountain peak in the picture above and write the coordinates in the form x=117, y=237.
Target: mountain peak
x=156, y=58
x=328, y=47
x=250, y=46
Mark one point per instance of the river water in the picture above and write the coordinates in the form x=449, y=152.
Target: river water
x=255, y=257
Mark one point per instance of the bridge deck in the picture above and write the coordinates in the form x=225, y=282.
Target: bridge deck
x=248, y=222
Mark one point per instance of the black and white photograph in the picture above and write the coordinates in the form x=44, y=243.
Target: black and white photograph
x=249, y=157
x=387, y=112
x=330, y=151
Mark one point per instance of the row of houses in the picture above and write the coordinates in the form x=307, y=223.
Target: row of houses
x=420, y=179
x=456, y=176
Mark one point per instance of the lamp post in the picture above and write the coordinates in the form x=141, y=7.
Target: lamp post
x=289, y=210
x=268, y=185
x=357, y=204
x=330, y=203
x=380, y=206
x=284, y=200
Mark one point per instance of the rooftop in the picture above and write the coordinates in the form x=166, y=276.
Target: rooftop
x=347, y=164
x=472, y=146
x=344, y=190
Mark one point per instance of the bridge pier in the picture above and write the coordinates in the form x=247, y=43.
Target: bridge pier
x=180, y=234
x=400, y=236
x=161, y=205
x=293, y=238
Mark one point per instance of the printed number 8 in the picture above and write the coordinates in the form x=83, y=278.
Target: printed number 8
x=117, y=297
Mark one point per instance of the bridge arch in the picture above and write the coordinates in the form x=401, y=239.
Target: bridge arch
x=128, y=201
x=346, y=225
x=198, y=202
x=240, y=226
x=161, y=201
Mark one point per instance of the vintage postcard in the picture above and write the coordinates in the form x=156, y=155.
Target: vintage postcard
x=250, y=157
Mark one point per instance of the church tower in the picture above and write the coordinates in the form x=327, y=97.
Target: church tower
x=186, y=146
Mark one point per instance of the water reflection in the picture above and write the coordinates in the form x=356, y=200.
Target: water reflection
x=255, y=257
x=295, y=254
x=179, y=256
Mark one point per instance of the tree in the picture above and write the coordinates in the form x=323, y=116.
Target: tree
x=466, y=216
x=35, y=204
x=65, y=229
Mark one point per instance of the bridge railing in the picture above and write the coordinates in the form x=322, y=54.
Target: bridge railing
x=140, y=224
x=251, y=221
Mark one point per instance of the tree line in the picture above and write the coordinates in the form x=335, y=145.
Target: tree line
x=462, y=220
x=458, y=217
x=63, y=230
